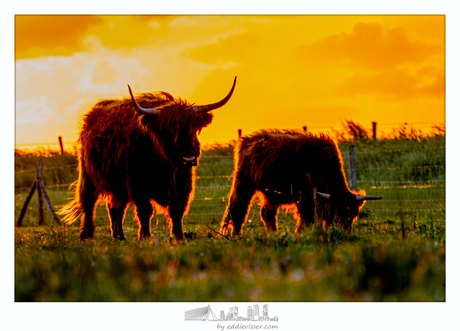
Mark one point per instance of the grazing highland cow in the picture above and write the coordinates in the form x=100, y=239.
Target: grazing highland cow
x=137, y=151
x=285, y=168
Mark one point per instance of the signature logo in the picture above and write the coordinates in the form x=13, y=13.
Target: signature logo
x=252, y=314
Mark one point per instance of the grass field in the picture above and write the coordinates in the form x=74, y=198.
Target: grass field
x=395, y=253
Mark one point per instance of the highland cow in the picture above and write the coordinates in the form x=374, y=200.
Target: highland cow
x=141, y=151
x=291, y=168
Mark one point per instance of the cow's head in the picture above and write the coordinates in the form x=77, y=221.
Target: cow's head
x=175, y=123
x=348, y=205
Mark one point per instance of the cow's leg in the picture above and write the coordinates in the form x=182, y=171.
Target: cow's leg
x=176, y=213
x=88, y=198
x=331, y=217
x=306, y=208
x=180, y=201
x=117, y=208
x=268, y=213
x=177, y=207
x=237, y=208
x=144, y=212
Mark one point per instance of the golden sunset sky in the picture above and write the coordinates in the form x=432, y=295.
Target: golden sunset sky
x=292, y=71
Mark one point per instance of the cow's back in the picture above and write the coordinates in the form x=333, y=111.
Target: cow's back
x=109, y=132
x=287, y=155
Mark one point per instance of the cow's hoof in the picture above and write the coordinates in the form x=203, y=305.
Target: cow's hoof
x=144, y=236
x=85, y=236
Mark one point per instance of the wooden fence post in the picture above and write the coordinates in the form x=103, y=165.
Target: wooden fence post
x=352, y=154
x=26, y=203
x=374, y=130
x=40, y=186
x=41, y=218
x=61, y=144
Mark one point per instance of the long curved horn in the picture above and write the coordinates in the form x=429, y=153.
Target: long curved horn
x=367, y=197
x=212, y=106
x=139, y=109
x=324, y=195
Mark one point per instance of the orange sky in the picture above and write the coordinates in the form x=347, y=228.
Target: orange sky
x=292, y=70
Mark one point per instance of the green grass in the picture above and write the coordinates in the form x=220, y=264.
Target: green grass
x=370, y=265
x=395, y=253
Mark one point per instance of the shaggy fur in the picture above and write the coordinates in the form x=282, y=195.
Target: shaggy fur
x=283, y=167
x=125, y=157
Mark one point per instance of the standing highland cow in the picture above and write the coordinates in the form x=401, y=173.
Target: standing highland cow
x=137, y=151
x=285, y=168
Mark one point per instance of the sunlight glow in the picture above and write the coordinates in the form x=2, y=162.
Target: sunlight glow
x=293, y=71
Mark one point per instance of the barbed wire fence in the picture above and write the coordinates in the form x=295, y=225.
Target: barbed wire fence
x=420, y=184
x=220, y=192
x=231, y=157
x=217, y=195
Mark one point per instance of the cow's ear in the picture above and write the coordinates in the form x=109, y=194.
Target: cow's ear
x=361, y=192
x=206, y=119
x=147, y=122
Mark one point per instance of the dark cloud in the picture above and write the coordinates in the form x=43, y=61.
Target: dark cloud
x=49, y=33
x=370, y=46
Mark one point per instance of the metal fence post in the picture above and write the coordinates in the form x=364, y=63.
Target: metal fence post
x=352, y=153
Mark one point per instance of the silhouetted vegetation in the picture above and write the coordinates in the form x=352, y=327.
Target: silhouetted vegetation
x=351, y=132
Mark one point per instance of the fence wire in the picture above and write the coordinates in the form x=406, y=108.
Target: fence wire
x=214, y=194
x=228, y=176
x=391, y=151
x=48, y=168
x=220, y=187
x=343, y=154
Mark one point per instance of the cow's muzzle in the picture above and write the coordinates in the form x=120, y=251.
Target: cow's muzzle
x=189, y=161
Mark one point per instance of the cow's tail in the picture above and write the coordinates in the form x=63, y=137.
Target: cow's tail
x=72, y=210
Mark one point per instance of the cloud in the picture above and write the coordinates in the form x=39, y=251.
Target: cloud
x=154, y=25
x=73, y=111
x=27, y=68
x=55, y=87
x=103, y=74
x=38, y=109
x=235, y=47
x=46, y=34
x=92, y=43
x=369, y=46
x=181, y=22
x=378, y=61
x=396, y=83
